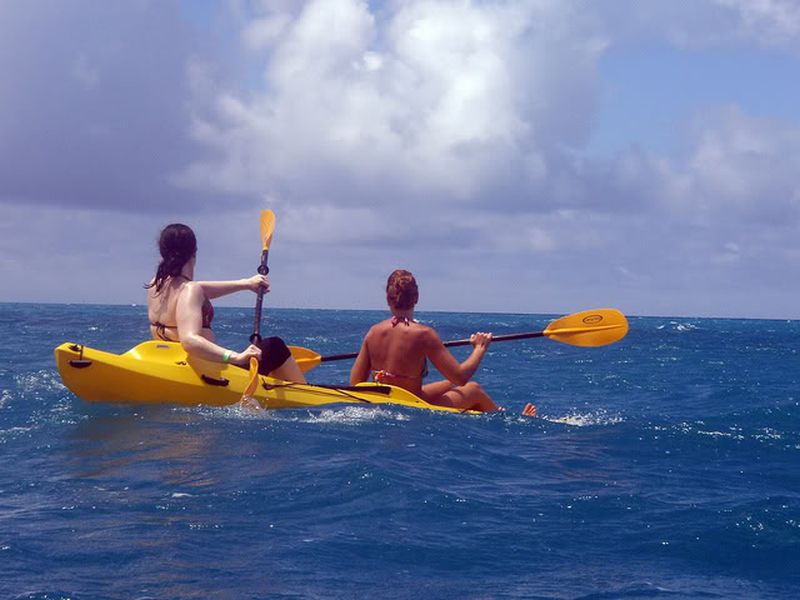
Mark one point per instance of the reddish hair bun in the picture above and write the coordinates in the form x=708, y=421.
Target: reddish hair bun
x=401, y=290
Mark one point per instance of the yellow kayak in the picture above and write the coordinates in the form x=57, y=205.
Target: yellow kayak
x=156, y=372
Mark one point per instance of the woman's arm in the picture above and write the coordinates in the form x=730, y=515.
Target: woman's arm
x=445, y=362
x=361, y=368
x=189, y=317
x=216, y=289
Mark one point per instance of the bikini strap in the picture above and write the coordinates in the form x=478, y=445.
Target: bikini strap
x=161, y=331
x=404, y=320
x=381, y=374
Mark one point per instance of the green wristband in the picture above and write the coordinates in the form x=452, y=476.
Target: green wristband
x=226, y=356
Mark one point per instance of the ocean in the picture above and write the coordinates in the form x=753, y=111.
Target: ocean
x=666, y=465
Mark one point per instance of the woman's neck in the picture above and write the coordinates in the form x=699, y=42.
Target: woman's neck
x=403, y=314
x=187, y=272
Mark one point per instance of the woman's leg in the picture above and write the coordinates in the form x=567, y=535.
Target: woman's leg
x=277, y=361
x=436, y=389
x=466, y=397
x=289, y=371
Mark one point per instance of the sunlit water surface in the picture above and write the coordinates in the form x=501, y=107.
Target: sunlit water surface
x=665, y=465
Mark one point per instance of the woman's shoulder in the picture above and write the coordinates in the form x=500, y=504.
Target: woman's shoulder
x=379, y=327
x=429, y=332
x=191, y=290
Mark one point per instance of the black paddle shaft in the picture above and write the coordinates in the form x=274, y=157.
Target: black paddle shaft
x=263, y=269
x=450, y=344
x=500, y=338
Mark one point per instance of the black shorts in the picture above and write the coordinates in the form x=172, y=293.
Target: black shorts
x=274, y=352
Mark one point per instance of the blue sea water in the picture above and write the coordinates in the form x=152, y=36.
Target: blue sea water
x=667, y=465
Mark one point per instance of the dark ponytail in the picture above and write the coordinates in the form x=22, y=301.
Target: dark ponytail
x=177, y=245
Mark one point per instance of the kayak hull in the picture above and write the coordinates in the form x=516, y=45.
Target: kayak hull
x=161, y=372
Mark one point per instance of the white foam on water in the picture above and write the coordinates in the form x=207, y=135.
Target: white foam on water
x=767, y=433
x=499, y=324
x=12, y=432
x=590, y=419
x=721, y=434
x=40, y=381
x=764, y=434
x=354, y=415
x=342, y=414
x=233, y=411
x=677, y=326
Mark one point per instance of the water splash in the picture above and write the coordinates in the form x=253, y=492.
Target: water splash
x=594, y=418
x=354, y=415
x=678, y=326
x=5, y=397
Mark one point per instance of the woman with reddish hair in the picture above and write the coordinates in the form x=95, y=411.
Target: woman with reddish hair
x=396, y=351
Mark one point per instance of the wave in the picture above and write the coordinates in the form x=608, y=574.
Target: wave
x=39, y=382
x=678, y=326
x=354, y=415
x=760, y=433
x=13, y=432
x=342, y=415
x=590, y=419
x=642, y=590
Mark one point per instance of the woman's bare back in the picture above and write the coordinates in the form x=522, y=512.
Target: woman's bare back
x=397, y=353
x=161, y=308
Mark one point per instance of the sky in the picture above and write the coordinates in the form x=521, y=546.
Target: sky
x=522, y=156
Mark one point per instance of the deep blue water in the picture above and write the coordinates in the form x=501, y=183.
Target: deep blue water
x=665, y=465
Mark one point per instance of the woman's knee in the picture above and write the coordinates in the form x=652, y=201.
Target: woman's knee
x=473, y=387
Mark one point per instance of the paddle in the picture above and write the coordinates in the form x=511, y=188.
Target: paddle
x=267, y=229
x=598, y=327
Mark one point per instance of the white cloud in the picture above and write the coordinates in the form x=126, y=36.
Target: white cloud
x=774, y=22
x=744, y=168
x=439, y=100
x=455, y=130
x=703, y=23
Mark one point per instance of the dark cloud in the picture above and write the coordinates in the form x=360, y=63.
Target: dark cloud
x=94, y=104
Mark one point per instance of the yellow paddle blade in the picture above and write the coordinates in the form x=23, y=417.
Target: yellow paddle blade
x=267, y=227
x=305, y=358
x=597, y=327
x=252, y=383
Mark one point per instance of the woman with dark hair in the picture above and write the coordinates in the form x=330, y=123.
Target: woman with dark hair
x=396, y=351
x=180, y=309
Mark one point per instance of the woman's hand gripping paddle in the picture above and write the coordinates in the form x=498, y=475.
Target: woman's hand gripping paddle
x=267, y=229
x=598, y=327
